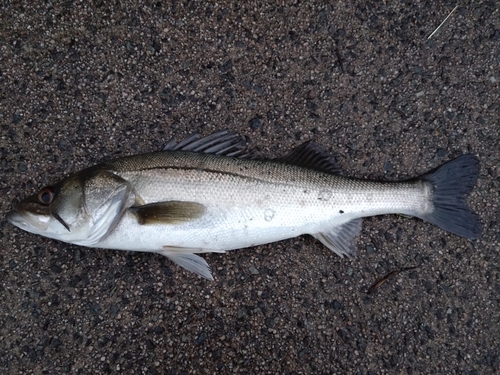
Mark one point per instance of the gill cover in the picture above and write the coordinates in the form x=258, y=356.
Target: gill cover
x=105, y=197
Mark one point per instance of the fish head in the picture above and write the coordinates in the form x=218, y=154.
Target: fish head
x=55, y=211
x=80, y=209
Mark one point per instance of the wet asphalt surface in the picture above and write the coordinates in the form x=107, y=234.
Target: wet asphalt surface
x=81, y=83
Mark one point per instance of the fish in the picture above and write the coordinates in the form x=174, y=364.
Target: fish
x=210, y=195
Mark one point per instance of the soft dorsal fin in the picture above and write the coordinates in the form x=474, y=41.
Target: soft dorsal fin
x=310, y=155
x=223, y=143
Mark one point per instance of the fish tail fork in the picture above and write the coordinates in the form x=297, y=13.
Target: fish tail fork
x=450, y=184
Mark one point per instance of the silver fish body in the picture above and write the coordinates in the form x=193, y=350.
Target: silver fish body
x=195, y=197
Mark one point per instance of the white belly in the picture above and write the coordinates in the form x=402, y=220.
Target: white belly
x=219, y=229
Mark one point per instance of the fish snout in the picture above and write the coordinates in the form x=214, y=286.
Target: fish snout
x=27, y=221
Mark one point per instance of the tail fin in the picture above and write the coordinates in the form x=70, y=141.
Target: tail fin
x=450, y=184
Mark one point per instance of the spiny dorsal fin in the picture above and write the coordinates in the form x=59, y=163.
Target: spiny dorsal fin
x=310, y=155
x=220, y=143
x=171, y=212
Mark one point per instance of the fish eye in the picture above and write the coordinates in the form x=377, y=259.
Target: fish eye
x=46, y=195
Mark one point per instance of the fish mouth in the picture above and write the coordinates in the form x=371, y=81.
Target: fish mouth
x=28, y=221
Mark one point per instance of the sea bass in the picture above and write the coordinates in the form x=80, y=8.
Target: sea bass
x=204, y=195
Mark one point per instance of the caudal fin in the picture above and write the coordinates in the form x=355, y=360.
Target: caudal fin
x=451, y=183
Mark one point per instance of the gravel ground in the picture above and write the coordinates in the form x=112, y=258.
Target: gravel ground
x=80, y=83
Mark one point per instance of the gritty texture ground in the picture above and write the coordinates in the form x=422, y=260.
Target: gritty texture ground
x=85, y=81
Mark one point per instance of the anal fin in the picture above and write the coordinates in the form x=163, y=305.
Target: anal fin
x=342, y=239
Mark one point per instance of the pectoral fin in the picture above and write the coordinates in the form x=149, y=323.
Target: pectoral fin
x=186, y=259
x=342, y=239
x=171, y=212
